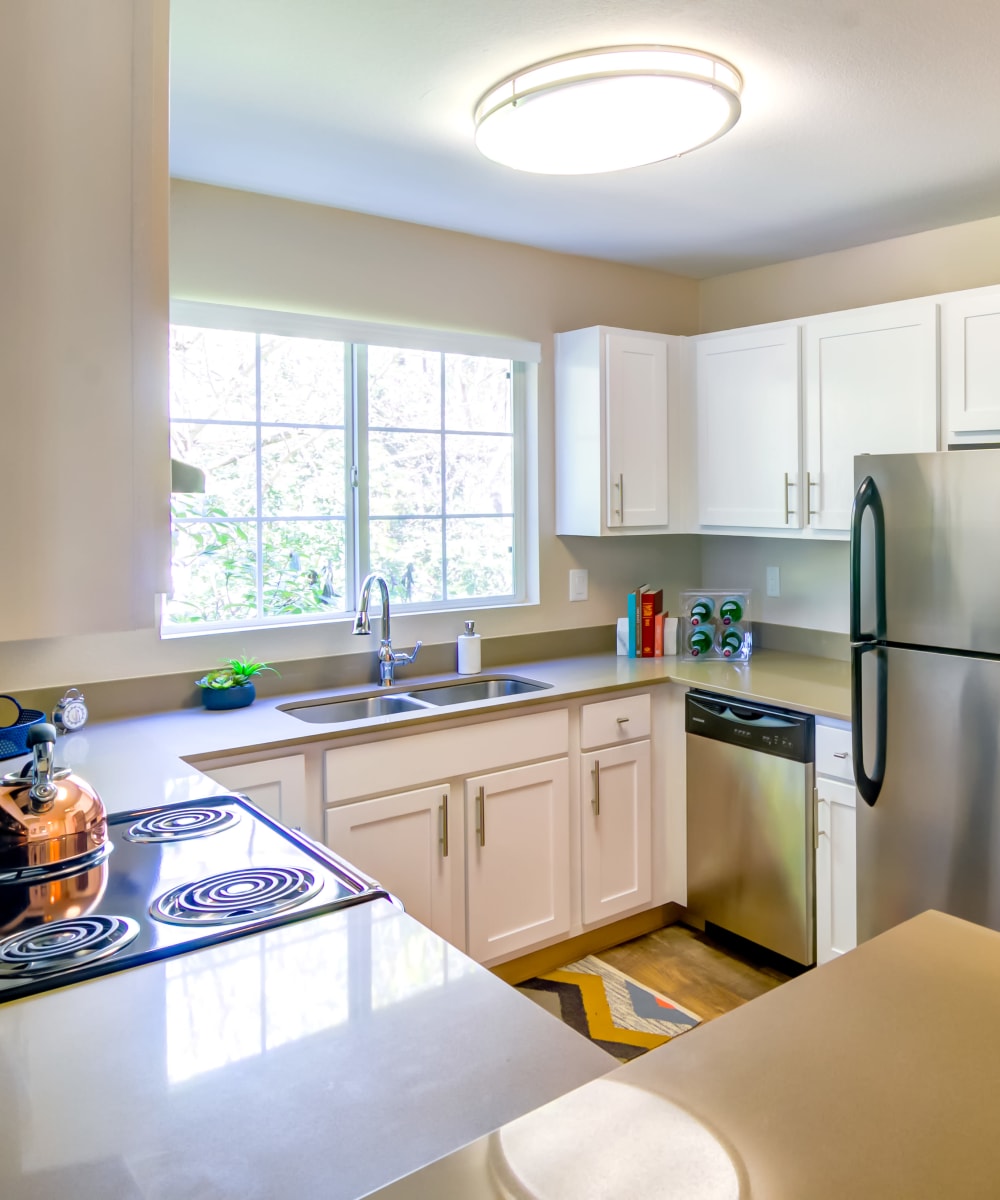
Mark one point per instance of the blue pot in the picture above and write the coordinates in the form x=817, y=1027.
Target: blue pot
x=219, y=699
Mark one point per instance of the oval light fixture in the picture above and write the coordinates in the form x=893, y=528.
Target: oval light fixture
x=608, y=109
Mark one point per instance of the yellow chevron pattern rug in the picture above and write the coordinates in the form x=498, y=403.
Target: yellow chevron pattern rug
x=611, y=1009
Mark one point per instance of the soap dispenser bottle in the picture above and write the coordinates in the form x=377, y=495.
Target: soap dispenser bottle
x=470, y=659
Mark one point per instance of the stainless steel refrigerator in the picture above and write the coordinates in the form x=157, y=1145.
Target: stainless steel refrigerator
x=925, y=670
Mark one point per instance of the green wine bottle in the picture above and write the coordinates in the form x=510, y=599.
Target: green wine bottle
x=731, y=610
x=702, y=609
x=699, y=641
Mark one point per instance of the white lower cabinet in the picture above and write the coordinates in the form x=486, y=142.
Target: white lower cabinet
x=488, y=831
x=405, y=811
x=517, y=858
x=615, y=831
x=836, y=845
x=409, y=842
x=276, y=785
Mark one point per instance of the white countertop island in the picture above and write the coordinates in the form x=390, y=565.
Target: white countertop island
x=873, y=1077
x=319, y=1061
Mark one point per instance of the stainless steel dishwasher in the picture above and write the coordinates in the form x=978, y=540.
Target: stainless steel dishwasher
x=750, y=817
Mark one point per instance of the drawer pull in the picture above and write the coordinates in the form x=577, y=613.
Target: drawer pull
x=481, y=815
x=595, y=803
x=444, y=825
x=840, y=753
x=622, y=720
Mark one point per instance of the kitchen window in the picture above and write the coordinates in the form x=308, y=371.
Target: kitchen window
x=331, y=449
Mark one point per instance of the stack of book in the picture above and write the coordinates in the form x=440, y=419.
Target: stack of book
x=645, y=622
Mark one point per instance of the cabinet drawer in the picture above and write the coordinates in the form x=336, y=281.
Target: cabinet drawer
x=613, y=721
x=833, y=752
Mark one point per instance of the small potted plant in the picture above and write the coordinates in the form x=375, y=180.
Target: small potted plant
x=231, y=685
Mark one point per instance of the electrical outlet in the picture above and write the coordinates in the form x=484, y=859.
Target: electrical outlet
x=773, y=577
x=578, y=585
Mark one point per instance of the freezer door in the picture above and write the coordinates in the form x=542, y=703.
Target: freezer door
x=932, y=837
x=942, y=552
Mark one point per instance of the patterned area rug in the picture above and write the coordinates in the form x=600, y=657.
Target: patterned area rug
x=611, y=1009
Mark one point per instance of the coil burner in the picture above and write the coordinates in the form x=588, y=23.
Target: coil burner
x=236, y=896
x=182, y=824
x=64, y=945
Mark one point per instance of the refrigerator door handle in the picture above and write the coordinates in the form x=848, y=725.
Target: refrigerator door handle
x=867, y=497
x=869, y=785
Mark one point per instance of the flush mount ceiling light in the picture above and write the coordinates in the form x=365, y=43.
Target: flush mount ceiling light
x=605, y=110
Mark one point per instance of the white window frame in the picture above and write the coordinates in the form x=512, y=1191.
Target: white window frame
x=524, y=356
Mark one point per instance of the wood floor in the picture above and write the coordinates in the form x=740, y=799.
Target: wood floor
x=700, y=974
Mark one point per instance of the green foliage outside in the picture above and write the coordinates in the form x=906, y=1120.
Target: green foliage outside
x=268, y=538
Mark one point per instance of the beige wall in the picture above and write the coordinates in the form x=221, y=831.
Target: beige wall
x=243, y=248
x=941, y=260
x=813, y=578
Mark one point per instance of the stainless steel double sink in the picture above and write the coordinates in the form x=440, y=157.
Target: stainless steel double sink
x=425, y=697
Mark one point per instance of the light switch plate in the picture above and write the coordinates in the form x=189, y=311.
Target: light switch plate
x=773, y=578
x=578, y=589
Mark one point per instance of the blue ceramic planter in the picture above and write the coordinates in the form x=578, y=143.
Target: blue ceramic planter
x=219, y=699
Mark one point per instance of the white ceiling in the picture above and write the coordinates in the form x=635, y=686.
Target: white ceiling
x=862, y=119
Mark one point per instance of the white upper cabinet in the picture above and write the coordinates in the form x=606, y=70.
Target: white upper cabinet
x=614, y=390
x=747, y=387
x=637, y=431
x=84, y=300
x=871, y=388
x=970, y=366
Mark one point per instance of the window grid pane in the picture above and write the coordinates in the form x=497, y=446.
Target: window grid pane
x=274, y=534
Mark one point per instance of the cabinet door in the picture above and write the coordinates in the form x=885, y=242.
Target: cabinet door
x=84, y=296
x=836, y=869
x=517, y=858
x=616, y=826
x=970, y=345
x=277, y=785
x=748, y=429
x=636, y=407
x=871, y=388
x=407, y=842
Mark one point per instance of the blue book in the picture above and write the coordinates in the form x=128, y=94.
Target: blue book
x=634, y=619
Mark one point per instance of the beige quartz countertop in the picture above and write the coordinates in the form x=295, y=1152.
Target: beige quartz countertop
x=873, y=1076
x=146, y=761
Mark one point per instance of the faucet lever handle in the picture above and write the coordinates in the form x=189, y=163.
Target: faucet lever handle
x=407, y=658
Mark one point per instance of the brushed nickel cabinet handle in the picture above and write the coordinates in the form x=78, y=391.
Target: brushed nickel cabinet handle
x=444, y=825
x=620, y=510
x=788, y=509
x=596, y=801
x=840, y=754
x=810, y=511
x=481, y=815
x=622, y=720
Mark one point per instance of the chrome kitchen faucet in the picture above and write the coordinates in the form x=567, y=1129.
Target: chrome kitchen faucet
x=387, y=657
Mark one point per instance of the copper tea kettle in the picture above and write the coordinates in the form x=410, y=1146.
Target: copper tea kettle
x=51, y=822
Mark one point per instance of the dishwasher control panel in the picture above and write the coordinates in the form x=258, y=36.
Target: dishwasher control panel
x=768, y=730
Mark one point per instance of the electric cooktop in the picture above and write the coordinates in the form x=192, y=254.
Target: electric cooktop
x=177, y=878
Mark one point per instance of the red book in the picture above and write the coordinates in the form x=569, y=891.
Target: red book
x=652, y=603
